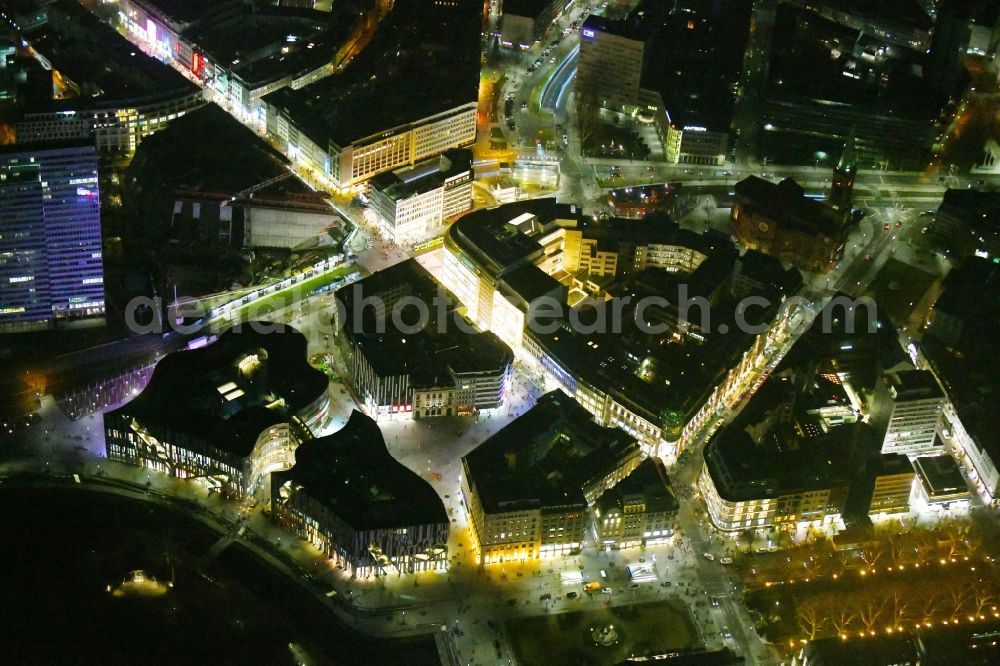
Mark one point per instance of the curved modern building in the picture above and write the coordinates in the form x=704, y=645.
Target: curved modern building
x=366, y=511
x=227, y=414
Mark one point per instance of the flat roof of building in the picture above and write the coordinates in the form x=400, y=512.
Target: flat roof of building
x=883, y=651
x=208, y=151
x=428, y=354
x=940, y=476
x=915, y=385
x=530, y=282
x=491, y=238
x=422, y=177
x=543, y=458
x=694, y=60
x=228, y=392
x=650, y=482
x=969, y=368
x=352, y=474
x=891, y=464
x=422, y=61
x=104, y=65
x=780, y=464
x=530, y=8
x=187, y=11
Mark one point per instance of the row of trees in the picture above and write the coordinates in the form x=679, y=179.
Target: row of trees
x=893, y=606
x=890, y=546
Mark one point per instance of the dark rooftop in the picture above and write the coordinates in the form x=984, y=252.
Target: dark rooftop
x=207, y=150
x=488, y=236
x=890, y=464
x=742, y=470
x=940, y=475
x=230, y=391
x=650, y=482
x=353, y=475
x=101, y=63
x=786, y=203
x=529, y=8
x=544, y=457
x=694, y=61
x=915, y=385
x=884, y=651
x=423, y=60
x=530, y=282
x=426, y=355
x=423, y=177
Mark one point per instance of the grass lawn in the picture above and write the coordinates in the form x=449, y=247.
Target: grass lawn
x=294, y=294
x=565, y=639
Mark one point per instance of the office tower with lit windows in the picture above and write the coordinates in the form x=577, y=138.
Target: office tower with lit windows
x=610, y=64
x=917, y=408
x=51, y=267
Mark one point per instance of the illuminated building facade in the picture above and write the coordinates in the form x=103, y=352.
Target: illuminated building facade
x=364, y=510
x=917, y=406
x=528, y=487
x=958, y=347
x=893, y=485
x=637, y=202
x=696, y=144
x=748, y=486
x=523, y=22
x=51, y=261
x=116, y=130
x=492, y=256
x=411, y=203
x=444, y=367
x=609, y=68
x=639, y=510
x=227, y=414
x=356, y=162
x=940, y=483
x=780, y=220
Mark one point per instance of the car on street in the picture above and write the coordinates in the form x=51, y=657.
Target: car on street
x=709, y=557
x=524, y=105
x=666, y=583
x=571, y=595
x=634, y=585
x=545, y=597
x=607, y=590
x=726, y=560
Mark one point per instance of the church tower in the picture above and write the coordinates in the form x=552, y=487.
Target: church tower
x=843, y=177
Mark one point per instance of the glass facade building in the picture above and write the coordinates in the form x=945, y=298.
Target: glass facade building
x=51, y=266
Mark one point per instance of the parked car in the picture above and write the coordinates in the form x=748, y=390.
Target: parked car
x=709, y=557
